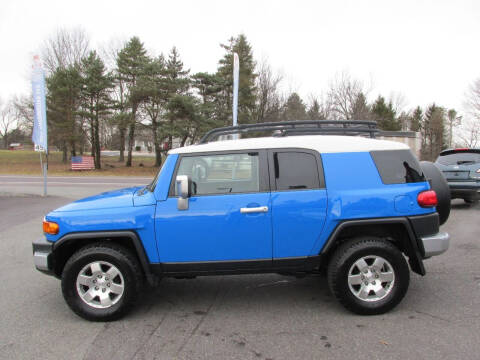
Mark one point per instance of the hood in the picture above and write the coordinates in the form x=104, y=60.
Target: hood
x=106, y=200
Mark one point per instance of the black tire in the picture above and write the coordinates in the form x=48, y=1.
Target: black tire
x=343, y=260
x=105, y=253
x=440, y=185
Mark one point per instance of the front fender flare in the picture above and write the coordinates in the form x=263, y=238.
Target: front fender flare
x=105, y=235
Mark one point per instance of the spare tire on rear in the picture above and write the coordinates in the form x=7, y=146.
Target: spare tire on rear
x=440, y=185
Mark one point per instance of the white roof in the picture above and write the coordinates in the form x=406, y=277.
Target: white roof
x=320, y=143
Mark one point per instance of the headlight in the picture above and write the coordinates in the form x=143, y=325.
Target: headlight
x=50, y=227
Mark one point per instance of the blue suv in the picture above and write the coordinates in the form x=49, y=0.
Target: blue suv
x=352, y=207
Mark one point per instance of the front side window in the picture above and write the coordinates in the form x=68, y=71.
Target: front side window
x=295, y=171
x=221, y=174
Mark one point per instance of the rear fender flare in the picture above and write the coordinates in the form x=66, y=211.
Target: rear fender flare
x=410, y=245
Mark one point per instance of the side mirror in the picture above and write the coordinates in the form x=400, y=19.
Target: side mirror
x=184, y=191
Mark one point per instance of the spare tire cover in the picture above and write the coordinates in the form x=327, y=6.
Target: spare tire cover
x=440, y=185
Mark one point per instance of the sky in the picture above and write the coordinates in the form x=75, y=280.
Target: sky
x=426, y=51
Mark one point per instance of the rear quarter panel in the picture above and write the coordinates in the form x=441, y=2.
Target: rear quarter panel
x=355, y=191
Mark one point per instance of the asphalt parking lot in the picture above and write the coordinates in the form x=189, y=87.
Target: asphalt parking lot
x=232, y=317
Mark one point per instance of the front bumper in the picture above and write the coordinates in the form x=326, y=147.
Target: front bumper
x=42, y=256
x=435, y=244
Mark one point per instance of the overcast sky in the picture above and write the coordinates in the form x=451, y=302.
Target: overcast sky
x=426, y=50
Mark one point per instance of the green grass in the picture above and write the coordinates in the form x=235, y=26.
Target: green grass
x=23, y=162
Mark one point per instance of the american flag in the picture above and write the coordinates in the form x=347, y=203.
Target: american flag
x=82, y=163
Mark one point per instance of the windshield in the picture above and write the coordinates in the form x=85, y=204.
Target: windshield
x=460, y=158
x=150, y=187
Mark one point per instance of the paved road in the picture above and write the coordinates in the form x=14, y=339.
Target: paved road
x=134, y=153
x=73, y=187
x=237, y=317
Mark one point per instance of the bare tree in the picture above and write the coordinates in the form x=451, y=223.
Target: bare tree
x=66, y=47
x=398, y=101
x=109, y=52
x=319, y=107
x=268, y=98
x=121, y=116
x=472, y=102
x=405, y=119
x=344, y=92
x=469, y=134
x=24, y=112
x=7, y=120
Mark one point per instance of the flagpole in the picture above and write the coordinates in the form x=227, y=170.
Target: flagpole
x=45, y=169
x=43, y=166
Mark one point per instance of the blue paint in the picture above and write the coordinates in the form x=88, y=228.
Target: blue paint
x=144, y=197
x=355, y=191
x=213, y=229
x=107, y=200
x=139, y=219
x=164, y=177
x=297, y=221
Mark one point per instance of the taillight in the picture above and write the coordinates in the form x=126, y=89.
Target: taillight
x=49, y=227
x=427, y=199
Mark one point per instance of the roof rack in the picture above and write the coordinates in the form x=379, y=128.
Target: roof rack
x=298, y=127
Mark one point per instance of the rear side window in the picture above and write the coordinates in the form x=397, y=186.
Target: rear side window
x=295, y=171
x=459, y=158
x=397, y=166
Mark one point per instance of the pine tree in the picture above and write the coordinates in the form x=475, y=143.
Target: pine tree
x=416, y=119
x=246, y=85
x=182, y=111
x=178, y=84
x=63, y=95
x=385, y=114
x=434, y=132
x=360, y=108
x=177, y=76
x=131, y=62
x=121, y=115
x=154, y=87
x=314, y=112
x=208, y=87
x=294, y=108
x=96, y=87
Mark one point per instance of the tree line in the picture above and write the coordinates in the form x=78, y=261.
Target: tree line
x=103, y=98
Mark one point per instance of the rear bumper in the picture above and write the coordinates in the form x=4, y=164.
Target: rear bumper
x=464, y=185
x=464, y=189
x=42, y=256
x=435, y=244
x=429, y=239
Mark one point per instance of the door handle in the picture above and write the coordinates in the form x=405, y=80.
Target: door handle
x=250, y=210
